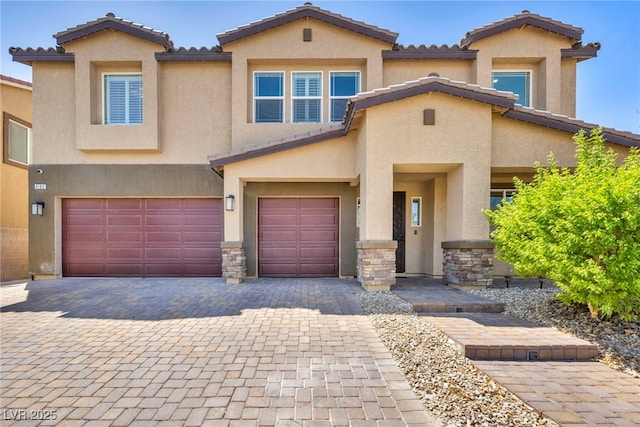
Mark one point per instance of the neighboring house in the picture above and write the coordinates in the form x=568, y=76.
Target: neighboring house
x=306, y=144
x=15, y=103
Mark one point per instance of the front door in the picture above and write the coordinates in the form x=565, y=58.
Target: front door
x=399, y=215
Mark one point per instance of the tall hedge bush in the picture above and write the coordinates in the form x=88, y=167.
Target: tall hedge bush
x=579, y=228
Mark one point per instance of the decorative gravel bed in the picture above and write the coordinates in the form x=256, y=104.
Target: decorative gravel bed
x=618, y=340
x=446, y=382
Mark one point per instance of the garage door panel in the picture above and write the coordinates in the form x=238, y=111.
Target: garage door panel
x=321, y=252
x=156, y=220
x=317, y=236
x=124, y=220
x=198, y=220
x=278, y=219
x=318, y=219
x=84, y=220
x=140, y=237
x=130, y=254
x=202, y=237
x=124, y=237
x=298, y=237
x=85, y=237
x=163, y=236
x=317, y=269
x=318, y=203
x=279, y=253
x=124, y=204
x=279, y=236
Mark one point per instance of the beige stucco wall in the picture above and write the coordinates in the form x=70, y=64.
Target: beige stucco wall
x=398, y=71
x=187, y=119
x=529, y=48
x=14, y=191
x=459, y=148
x=282, y=49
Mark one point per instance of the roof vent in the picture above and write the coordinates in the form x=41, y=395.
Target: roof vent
x=433, y=75
x=111, y=15
x=525, y=11
x=308, y=3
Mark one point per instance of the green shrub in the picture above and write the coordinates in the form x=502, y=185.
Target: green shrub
x=580, y=229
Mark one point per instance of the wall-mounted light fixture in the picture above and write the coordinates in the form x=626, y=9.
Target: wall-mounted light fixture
x=37, y=208
x=229, y=202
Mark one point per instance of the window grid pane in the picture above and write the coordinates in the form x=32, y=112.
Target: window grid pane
x=343, y=85
x=19, y=143
x=268, y=92
x=123, y=98
x=518, y=82
x=307, y=97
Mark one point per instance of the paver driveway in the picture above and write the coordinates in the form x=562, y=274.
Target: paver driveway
x=196, y=352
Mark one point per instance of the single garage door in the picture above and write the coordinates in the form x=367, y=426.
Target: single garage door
x=141, y=237
x=298, y=237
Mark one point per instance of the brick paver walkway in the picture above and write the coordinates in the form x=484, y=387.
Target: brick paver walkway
x=196, y=352
x=572, y=393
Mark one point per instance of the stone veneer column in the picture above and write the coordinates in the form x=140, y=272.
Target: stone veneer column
x=234, y=261
x=377, y=264
x=468, y=263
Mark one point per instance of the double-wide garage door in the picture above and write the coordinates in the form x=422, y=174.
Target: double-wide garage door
x=298, y=237
x=141, y=237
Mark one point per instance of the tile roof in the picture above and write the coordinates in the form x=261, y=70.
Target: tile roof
x=307, y=11
x=432, y=52
x=571, y=125
x=366, y=100
x=15, y=82
x=51, y=54
x=519, y=20
x=214, y=53
x=580, y=51
x=110, y=21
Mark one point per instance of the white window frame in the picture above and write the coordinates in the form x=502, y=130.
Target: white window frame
x=266, y=98
x=9, y=119
x=306, y=97
x=416, y=221
x=331, y=98
x=127, y=110
x=529, y=71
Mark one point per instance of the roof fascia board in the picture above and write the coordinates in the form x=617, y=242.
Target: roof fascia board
x=191, y=56
x=276, y=148
x=429, y=54
x=570, y=127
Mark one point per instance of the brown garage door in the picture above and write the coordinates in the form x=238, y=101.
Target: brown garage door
x=298, y=237
x=141, y=237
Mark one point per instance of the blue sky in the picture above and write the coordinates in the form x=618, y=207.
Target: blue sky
x=608, y=86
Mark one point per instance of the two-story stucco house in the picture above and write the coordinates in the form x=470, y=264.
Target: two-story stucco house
x=15, y=103
x=306, y=144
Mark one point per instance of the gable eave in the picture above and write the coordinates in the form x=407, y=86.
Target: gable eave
x=521, y=20
x=110, y=22
x=302, y=12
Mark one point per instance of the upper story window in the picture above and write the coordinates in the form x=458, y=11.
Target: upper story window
x=123, y=99
x=16, y=141
x=343, y=85
x=306, y=97
x=500, y=196
x=268, y=94
x=518, y=82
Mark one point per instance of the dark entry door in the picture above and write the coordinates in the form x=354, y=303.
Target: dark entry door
x=399, y=215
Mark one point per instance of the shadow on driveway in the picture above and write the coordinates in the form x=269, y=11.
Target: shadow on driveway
x=165, y=298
